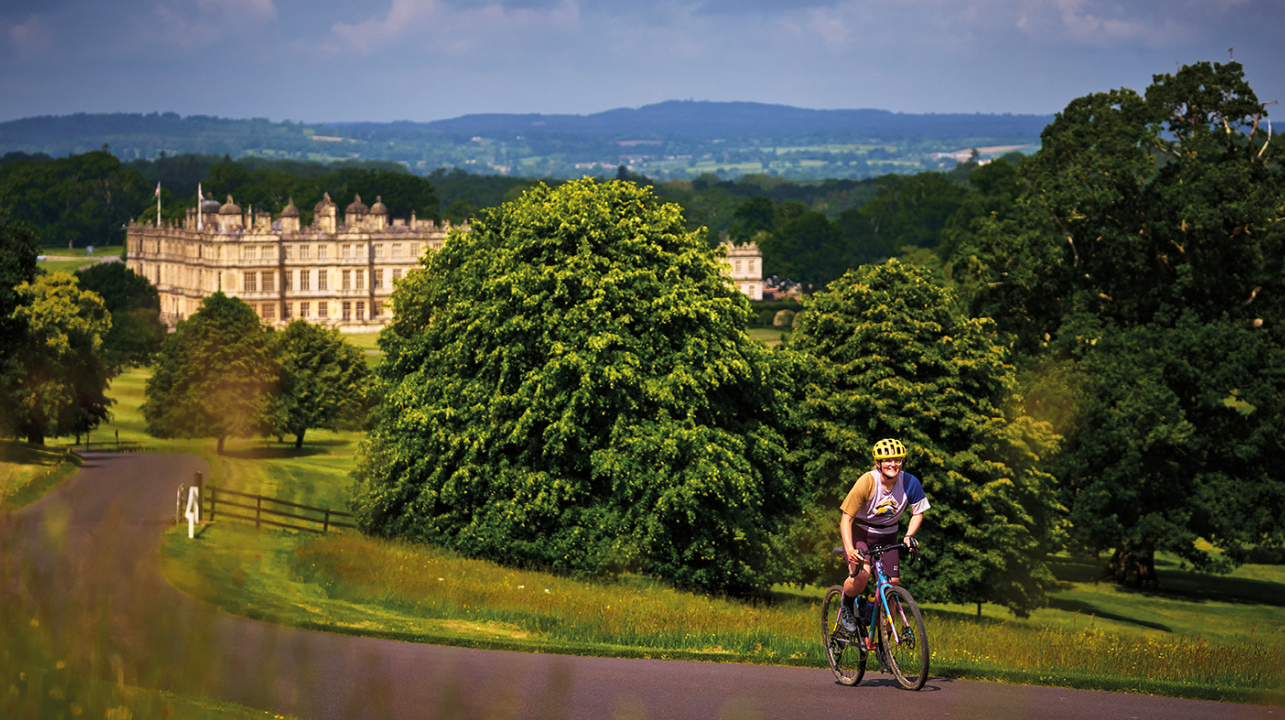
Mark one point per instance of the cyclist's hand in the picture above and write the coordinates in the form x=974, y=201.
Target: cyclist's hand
x=856, y=557
x=911, y=543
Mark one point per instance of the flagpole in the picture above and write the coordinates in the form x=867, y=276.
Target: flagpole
x=200, y=200
x=158, y=204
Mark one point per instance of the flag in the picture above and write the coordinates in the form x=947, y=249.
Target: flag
x=158, y=189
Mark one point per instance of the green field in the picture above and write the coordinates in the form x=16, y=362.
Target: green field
x=1203, y=636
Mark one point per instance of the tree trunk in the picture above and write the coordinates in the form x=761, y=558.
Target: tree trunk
x=220, y=450
x=298, y=441
x=36, y=437
x=1133, y=566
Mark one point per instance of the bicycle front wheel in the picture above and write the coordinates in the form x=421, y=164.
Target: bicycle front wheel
x=903, y=638
x=843, y=651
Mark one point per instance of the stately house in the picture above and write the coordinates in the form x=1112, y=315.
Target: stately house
x=745, y=266
x=331, y=272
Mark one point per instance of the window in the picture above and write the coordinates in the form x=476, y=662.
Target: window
x=285, y=311
x=285, y=281
x=397, y=274
x=269, y=311
x=304, y=277
x=397, y=250
x=249, y=252
x=347, y=307
x=323, y=252
x=303, y=252
x=738, y=267
x=347, y=280
x=323, y=280
x=414, y=250
x=361, y=311
x=379, y=250
x=345, y=251
x=361, y=280
x=376, y=309
x=377, y=281
x=250, y=284
x=266, y=280
x=321, y=309
x=289, y=251
x=303, y=309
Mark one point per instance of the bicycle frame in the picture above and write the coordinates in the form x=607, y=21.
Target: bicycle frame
x=880, y=576
x=895, y=630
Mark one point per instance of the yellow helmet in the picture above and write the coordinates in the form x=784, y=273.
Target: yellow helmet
x=889, y=449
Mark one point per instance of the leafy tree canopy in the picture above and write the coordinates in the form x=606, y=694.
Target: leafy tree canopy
x=79, y=200
x=137, y=331
x=569, y=385
x=214, y=377
x=897, y=357
x=326, y=380
x=1140, y=277
x=60, y=374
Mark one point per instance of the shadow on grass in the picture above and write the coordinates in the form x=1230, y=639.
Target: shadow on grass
x=1084, y=608
x=1176, y=583
x=274, y=453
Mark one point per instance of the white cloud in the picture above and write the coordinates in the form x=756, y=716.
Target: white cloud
x=240, y=9
x=439, y=26
x=31, y=38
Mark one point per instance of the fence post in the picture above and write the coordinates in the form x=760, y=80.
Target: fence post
x=178, y=504
x=326, y=527
x=200, y=481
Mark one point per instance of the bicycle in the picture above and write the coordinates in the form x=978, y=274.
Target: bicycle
x=902, y=641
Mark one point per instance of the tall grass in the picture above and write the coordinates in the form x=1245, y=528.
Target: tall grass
x=352, y=584
x=634, y=613
x=27, y=472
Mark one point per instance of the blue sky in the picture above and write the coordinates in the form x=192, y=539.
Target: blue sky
x=337, y=60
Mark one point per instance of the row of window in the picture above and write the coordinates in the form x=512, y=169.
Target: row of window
x=346, y=310
x=322, y=251
x=265, y=281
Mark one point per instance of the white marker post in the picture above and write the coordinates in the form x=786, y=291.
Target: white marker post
x=193, y=510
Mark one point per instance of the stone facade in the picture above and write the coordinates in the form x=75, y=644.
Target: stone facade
x=745, y=266
x=331, y=272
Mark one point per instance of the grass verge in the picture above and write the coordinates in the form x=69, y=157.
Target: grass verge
x=351, y=584
x=27, y=471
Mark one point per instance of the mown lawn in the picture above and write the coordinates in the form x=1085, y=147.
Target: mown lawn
x=1207, y=636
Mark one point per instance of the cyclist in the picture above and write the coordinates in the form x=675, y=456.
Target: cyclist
x=871, y=513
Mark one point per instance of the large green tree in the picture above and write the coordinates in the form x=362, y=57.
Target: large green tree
x=1141, y=278
x=78, y=200
x=325, y=381
x=137, y=331
x=215, y=376
x=570, y=385
x=896, y=356
x=60, y=373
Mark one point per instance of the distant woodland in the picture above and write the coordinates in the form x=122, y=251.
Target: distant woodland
x=673, y=140
x=810, y=231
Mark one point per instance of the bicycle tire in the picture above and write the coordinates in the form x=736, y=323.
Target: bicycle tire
x=847, y=660
x=906, y=654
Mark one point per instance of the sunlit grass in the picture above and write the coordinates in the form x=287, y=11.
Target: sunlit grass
x=354, y=584
x=29, y=471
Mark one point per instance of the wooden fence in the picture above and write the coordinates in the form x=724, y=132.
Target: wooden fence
x=323, y=517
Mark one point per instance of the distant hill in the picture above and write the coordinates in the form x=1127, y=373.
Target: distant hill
x=675, y=139
x=744, y=120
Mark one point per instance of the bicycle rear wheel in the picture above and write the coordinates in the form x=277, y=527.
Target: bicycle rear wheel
x=904, y=639
x=842, y=650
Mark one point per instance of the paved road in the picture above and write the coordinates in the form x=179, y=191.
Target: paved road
x=115, y=508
